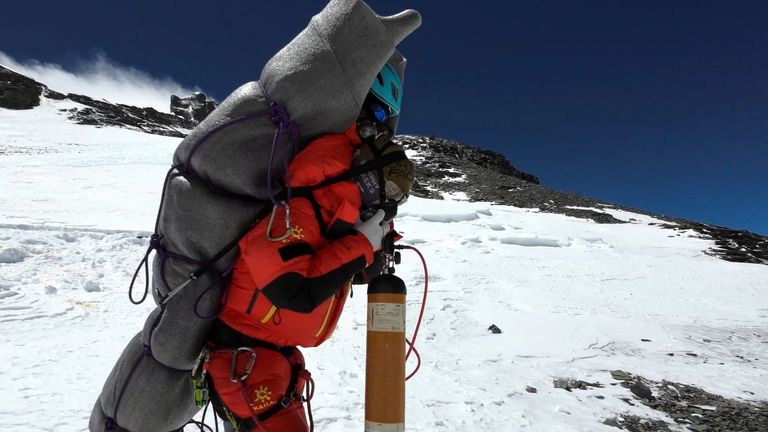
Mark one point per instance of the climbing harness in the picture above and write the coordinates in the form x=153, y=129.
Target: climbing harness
x=252, y=401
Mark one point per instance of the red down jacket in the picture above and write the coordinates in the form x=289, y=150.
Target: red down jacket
x=291, y=292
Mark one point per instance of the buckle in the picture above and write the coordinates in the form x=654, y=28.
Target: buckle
x=285, y=401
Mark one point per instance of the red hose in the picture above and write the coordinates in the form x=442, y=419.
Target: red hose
x=412, y=342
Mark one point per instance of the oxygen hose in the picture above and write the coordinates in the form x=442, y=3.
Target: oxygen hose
x=412, y=342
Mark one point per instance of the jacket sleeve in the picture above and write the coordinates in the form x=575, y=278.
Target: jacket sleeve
x=303, y=274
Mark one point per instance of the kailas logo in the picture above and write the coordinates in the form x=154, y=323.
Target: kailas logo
x=296, y=233
x=262, y=394
x=262, y=399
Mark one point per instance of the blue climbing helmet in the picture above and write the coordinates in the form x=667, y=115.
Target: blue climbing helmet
x=388, y=89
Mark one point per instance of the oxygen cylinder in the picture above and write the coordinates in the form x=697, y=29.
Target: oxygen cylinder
x=385, y=355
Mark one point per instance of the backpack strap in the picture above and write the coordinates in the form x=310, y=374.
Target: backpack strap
x=379, y=162
x=306, y=191
x=209, y=265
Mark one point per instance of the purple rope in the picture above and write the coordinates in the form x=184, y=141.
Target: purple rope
x=143, y=263
x=164, y=254
x=285, y=127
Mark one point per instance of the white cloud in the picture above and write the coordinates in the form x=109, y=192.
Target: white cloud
x=101, y=78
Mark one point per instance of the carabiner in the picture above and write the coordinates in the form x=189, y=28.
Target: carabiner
x=287, y=224
x=201, y=364
x=233, y=375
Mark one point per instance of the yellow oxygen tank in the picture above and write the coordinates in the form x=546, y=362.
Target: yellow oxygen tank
x=385, y=355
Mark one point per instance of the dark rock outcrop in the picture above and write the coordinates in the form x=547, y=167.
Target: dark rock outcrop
x=149, y=120
x=17, y=91
x=730, y=245
x=194, y=108
x=692, y=408
x=20, y=92
x=450, y=167
x=445, y=167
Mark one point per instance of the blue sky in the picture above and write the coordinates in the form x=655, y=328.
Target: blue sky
x=657, y=105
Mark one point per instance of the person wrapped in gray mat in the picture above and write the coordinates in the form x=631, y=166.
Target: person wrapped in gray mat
x=225, y=175
x=295, y=268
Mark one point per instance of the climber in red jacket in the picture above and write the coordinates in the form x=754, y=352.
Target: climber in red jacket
x=296, y=267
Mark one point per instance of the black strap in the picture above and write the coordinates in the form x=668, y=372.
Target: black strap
x=209, y=265
x=290, y=392
x=306, y=191
x=318, y=215
x=378, y=152
x=386, y=145
x=225, y=336
x=380, y=162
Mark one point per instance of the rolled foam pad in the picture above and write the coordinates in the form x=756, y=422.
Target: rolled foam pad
x=152, y=397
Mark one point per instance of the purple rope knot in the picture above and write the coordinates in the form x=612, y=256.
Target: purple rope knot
x=154, y=241
x=279, y=115
x=182, y=167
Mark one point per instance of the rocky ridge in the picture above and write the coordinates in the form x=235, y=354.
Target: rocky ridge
x=447, y=168
x=444, y=167
x=685, y=407
x=20, y=92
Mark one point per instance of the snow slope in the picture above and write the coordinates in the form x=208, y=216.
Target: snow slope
x=574, y=299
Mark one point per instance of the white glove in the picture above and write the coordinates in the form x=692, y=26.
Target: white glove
x=374, y=229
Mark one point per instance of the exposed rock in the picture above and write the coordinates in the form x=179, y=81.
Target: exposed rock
x=641, y=390
x=149, y=120
x=450, y=167
x=194, y=108
x=620, y=375
x=17, y=91
x=570, y=384
x=696, y=409
x=20, y=92
x=447, y=166
x=50, y=94
x=731, y=245
x=639, y=424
